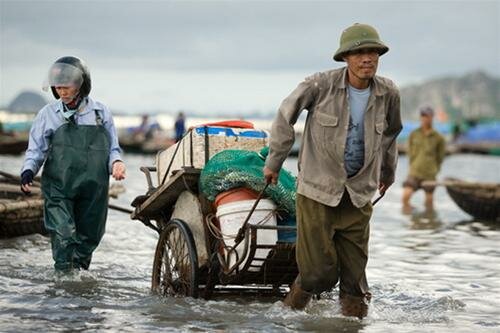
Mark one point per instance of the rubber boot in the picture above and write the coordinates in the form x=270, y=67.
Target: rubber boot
x=297, y=298
x=355, y=306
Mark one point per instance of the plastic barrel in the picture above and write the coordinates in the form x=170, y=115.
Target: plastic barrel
x=236, y=194
x=231, y=217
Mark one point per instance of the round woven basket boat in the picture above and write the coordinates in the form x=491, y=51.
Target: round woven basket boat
x=20, y=214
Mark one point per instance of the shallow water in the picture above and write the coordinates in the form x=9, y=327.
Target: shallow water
x=427, y=274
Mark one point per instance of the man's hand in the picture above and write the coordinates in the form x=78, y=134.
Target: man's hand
x=26, y=181
x=270, y=176
x=118, y=170
x=382, y=188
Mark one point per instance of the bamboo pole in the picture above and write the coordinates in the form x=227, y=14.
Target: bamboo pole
x=9, y=206
x=121, y=209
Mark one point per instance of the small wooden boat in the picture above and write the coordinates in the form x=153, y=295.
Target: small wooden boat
x=481, y=200
x=484, y=148
x=19, y=214
x=140, y=143
x=13, y=145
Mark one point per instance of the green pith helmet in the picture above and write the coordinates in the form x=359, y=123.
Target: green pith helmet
x=359, y=36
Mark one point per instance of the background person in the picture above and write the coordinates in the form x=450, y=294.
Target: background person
x=147, y=129
x=348, y=151
x=426, y=151
x=180, y=126
x=75, y=139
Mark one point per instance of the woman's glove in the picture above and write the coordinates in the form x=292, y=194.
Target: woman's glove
x=26, y=181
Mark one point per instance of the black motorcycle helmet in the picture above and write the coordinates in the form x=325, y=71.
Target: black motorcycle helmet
x=78, y=63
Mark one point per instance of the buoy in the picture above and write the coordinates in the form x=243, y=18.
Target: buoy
x=235, y=194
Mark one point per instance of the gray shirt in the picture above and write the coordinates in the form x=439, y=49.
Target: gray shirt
x=354, y=154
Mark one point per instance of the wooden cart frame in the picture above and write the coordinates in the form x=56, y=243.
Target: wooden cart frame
x=188, y=259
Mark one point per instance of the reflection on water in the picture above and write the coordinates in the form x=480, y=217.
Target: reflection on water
x=477, y=227
x=429, y=271
x=426, y=219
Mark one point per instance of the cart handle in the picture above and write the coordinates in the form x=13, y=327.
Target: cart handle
x=241, y=233
x=147, y=173
x=378, y=198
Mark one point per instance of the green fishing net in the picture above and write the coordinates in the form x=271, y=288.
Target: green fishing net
x=243, y=168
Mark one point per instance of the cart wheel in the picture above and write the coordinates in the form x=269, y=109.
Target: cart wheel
x=175, y=268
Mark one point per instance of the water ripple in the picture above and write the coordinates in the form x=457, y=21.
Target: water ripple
x=427, y=273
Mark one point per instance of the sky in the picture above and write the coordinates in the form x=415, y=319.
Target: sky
x=241, y=57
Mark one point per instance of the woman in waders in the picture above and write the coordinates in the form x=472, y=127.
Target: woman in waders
x=75, y=138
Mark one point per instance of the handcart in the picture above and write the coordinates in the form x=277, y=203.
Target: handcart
x=192, y=256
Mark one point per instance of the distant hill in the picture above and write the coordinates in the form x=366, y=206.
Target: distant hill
x=27, y=102
x=473, y=96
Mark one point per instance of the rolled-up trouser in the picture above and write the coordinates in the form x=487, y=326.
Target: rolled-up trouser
x=332, y=245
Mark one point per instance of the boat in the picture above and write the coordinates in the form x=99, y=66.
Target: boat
x=22, y=214
x=13, y=144
x=139, y=144
x=19, y=214
x=482, y=138
x=481, y=200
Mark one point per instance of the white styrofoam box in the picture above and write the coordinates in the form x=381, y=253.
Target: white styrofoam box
x=192, y=148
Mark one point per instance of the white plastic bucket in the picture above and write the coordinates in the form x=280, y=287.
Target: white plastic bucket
x=231, y=217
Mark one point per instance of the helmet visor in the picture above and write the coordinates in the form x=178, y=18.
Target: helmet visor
x=63, y=75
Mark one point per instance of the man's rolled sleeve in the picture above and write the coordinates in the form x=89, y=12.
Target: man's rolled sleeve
x=282, y=131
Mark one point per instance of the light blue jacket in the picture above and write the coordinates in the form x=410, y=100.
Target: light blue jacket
x=50, y=118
